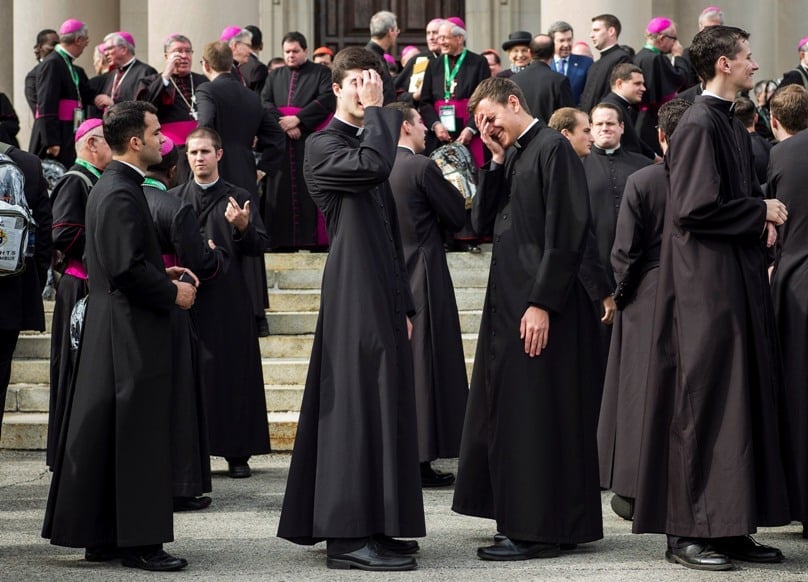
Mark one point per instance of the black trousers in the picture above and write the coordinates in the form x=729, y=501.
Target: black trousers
x=8, y=341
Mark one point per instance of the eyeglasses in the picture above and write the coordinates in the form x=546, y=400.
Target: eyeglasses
x=97, y=136
x=670, y=37
x=183, y=51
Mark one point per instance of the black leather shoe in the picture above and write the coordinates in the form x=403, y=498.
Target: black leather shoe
x=102, y=553
x=432, y=478
x=623, y=506
x=191, y=503
x=396, y=546
x=510, y=550
x=501, y=537
x=698, y=556
x=371, y=557
x=238, y=469
x=746, y=549
x=152, y=559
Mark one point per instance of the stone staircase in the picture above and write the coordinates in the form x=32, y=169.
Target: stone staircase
x=294, y=295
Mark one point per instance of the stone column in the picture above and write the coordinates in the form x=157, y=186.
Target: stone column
x=6, y=54
x=277, y=17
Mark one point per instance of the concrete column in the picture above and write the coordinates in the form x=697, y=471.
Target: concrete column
x=101, y=17
x=277, y=17
x=135, y=19
x=7, y=55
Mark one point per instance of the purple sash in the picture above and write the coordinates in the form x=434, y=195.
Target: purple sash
x=75, y=268
x=289, y=110
x=178, y=130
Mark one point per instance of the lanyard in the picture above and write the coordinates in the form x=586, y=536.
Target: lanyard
x=154, y=184
x=73, y=74
x=192, y=103
x=448, y=78
x=117, y=81
x=89, y=167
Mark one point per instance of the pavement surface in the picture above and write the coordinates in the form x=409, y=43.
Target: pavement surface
x=235, y=539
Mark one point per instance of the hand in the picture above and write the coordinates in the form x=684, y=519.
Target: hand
x=259, y=175
x=370, y=89
x=186, y=294
x=103, y=101
x=294, y=133
x=409, y=328
x=776, y=211
x=771, y=234
x=677, y=49
x=236, y=215
x=465, y=136
x=489, y=139
x=288, y=122
x=171, y=65
x=54, y=151
x=609, y=307
x=441, y=132
x=534, y=328
x=212, y=244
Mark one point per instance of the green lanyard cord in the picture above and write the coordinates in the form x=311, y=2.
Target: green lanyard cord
x=155, y=184
x=448, y=78
x=89, y=167
x=73, y=74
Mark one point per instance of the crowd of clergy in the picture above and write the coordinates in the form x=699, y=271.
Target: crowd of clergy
x=644, y=324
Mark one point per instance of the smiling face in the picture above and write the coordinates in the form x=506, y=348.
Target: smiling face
x=506, y=122
x=606, y=129
x=519, y=55
x=562, y=42
x=294, y=55
x=740, y=69
x=449, y=43
x=432, y=32
x=633, y=89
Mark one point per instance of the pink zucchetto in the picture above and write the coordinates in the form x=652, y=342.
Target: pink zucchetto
x=409, y=49
x=229, y=32
x=71, y=25
x=658, y=24
x=390, y=59
x=457, y=21
x=127, y=36
x=87, y=127
x=167, y=146
x=711, y=9
x=802, y=43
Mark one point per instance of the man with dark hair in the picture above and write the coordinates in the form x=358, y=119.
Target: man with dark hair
x=524, y=443
x=112, y=476
x=354, y=477
x=628, y=87
x=746, y=113
x=253, y=71
x=635, y=263
x=427, y=205
x=544, y=89
x=300, y=98
x=711, y=456
x=788, y=107
x=574, y=67
x=230, y=362
x=383, y=34
x=605, y=35
x=46, y=40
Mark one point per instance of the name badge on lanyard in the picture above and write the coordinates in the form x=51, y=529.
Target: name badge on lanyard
x=447, y=117
x=78, y=118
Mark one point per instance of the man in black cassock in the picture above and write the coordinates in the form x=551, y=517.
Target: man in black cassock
x=711, y=464
x=544, y=89
x=46, y=40
x=235, y=112
x=604, y=35
x=607, y=169
x=300, y=98
x=402, y=80
x=635, y=264
x=68, y=200
x=123, y=82
x=111, y=486
x=354, y=478
x=530, y=423
x=628, y=87
x=253, y=71
x=230, y=358
x=427, y=206
x=788, y=175
x=383, y=34
x=665, y=73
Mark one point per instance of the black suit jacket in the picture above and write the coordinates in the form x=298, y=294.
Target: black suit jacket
x=630, y=141
x=544, y=89
x=130, y=81
x=254, y=73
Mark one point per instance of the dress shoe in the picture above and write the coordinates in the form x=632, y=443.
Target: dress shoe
x=238, y=469
x=509, y=550
x=473, y=249
x=432, y=478
x=746, y=549
x=623, y=506
x=501, y=537
x=102, y=553
x=152, y=558
x=698, y=556
x=191, y=503
x=396, y=546
x=371, y=557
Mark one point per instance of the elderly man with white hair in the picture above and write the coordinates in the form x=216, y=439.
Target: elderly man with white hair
x=121, y=83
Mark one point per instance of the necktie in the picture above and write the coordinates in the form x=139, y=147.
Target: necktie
x=563, y=68
x=116, y=85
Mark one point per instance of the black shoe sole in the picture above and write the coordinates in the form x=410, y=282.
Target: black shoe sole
x=674, y=559
x=518, y=557
x=745, y=558
x=141, y=566
x=339, y=564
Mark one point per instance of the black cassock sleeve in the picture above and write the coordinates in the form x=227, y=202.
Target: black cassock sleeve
x=192, y=249
x=69, y=200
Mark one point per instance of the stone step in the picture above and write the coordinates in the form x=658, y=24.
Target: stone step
x=294, y=323
x=283, y=300
x=316, y=261
x=313, y=278
x=282, y=371
x=28, y=431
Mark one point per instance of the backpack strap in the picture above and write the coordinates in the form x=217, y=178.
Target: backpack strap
x=83, y=177
x=5, y=147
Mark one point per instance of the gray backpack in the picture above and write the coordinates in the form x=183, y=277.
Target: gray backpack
x=17, y=225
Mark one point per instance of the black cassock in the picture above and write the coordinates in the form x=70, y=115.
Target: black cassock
x=69, y=199
x=427, y=205
x=630, y=140
x=597, y=77
x=528, y=457
x=544, y=89
x=124, y=87
x=291, y=216
x=663, y=80
x=711, y=455
x=254, y=73
x=635, y=260
x=178, y=232
x=788, y=175
x=229, y=354
x=111, y=480
x=354, y=470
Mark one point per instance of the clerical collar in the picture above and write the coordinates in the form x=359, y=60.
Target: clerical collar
x=406, y=147
x=518, y=143
x=515, y=69
x=208, y=185
x=652, y=48
x=608, y=48
x=707, y=93
x=623, y=98
x=135, y=168
x=358, y=129
x=127, y=65
x=604, y=151
x=62, y=50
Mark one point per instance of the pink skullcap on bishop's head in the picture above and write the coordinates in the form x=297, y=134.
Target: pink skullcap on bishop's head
x=711, y=9
x=658, y=24
x=167, y=146
x=802, y=43
x=87, y=127
x=127, y=36
x=101, y=47
x=408, y=49
x=457, y=21
x=229, y=32
x=71, y=25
